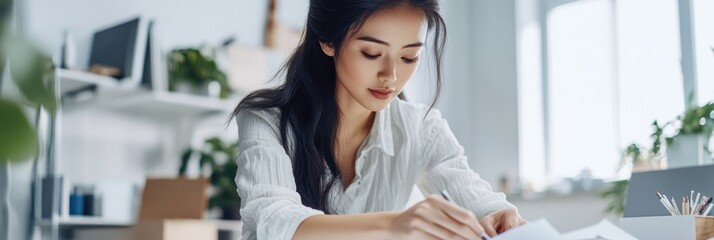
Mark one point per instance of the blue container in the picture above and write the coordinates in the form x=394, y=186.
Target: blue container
x=76, y=204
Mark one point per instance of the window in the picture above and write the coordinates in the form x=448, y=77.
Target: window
x=650, y=75
x=530, y=108
x=581, y=116
x=704, y=44
x=613, y=67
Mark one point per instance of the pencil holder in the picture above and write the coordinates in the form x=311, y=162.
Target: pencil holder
x=682, y=227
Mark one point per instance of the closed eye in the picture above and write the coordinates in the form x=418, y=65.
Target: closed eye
x=371, y=57
x=410, y=60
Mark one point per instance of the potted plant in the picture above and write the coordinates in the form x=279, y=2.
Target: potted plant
x=194, y=72
x=690, y=145
x=217, y=155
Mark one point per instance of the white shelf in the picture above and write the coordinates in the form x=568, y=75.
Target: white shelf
x=72, y=80
x=113, y=95
x=82, y=221
x=89, y=221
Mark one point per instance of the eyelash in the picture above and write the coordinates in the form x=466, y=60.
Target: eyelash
x=406, y=60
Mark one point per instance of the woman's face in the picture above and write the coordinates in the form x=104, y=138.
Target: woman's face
x=376, y=61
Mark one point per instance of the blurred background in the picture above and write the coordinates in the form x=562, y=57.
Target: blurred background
x=556, y=103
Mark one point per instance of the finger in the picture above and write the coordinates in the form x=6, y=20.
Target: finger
x=460, y=214
x=435, y=230
x=508, y=225
x=488, y=228
x=443, y=220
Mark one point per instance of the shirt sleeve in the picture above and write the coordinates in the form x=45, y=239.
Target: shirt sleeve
x=271, y=207
x=448, y=169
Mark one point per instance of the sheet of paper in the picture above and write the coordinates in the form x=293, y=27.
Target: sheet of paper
x=603, y=230
x=536, y=230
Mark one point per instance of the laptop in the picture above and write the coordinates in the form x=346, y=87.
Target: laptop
x=642, y=201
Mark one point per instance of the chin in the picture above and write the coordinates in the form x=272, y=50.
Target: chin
x=375, y=105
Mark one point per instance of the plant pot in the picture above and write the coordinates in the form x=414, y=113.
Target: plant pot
x=687, y=150
x=646, y=166
x=210, y=89
x=230, y=213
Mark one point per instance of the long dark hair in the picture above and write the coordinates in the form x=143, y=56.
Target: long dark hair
x=307, y=98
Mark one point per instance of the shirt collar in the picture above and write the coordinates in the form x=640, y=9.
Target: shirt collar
x=380, y=136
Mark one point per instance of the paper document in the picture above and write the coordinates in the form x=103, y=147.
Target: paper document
x=603, y=230
x=538, y=230
x=542, y=230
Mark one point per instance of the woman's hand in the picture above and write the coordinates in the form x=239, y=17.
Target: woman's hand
x=436, y=218
x=500, y=221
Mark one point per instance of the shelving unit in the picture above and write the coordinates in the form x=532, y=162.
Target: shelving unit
x=78, y=221
x=136, y=100
x=81, y=91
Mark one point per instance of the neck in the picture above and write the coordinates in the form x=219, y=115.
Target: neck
x=355, y=120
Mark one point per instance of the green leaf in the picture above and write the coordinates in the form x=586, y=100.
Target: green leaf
x=31, y=71
x=206, y=159
x=185, y=157
x=18, y=141
x=215, y=143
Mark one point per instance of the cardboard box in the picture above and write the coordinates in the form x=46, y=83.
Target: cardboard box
x=174, y=198
x=171, y=209
x=175, y=229
x=686, y=227
x=162, y=229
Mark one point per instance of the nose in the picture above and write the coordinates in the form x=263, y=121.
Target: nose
x=388, y=73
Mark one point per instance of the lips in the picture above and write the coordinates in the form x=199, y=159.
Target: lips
x=381, y=93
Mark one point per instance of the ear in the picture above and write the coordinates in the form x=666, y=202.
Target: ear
x=327, y=49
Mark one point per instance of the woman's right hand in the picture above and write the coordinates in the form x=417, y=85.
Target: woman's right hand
x=436, y=218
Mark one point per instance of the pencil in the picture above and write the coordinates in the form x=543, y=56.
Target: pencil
x=446, y=196
x=676, y=209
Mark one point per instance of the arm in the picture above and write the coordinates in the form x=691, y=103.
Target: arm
x=447, y=168
x=270, y=207
x=353, y=226
x=433, y=218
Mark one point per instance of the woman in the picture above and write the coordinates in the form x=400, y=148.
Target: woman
x=331, y=154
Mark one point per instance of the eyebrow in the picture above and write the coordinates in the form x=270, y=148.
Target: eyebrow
x=374, y=40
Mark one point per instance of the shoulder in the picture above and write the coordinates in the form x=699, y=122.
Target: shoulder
x=270, y=115
x=258, y=119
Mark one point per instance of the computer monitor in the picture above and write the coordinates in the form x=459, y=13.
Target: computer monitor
x=124, y=47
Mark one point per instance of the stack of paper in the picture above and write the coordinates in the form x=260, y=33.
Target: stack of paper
x=542, y=230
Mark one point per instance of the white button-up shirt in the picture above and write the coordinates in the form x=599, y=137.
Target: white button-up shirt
x=407, y=145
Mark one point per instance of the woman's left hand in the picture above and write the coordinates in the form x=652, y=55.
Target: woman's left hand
x=500, y=221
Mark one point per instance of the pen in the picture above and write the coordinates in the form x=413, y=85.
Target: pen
x=676, y=209
x=446, y=196
x=671, y=208
x=665, y=202
x=696, y=204
x=706, y=212
x=705, y=206
x=684, y=209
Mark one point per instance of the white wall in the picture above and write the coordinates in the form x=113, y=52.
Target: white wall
x=480, y=99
